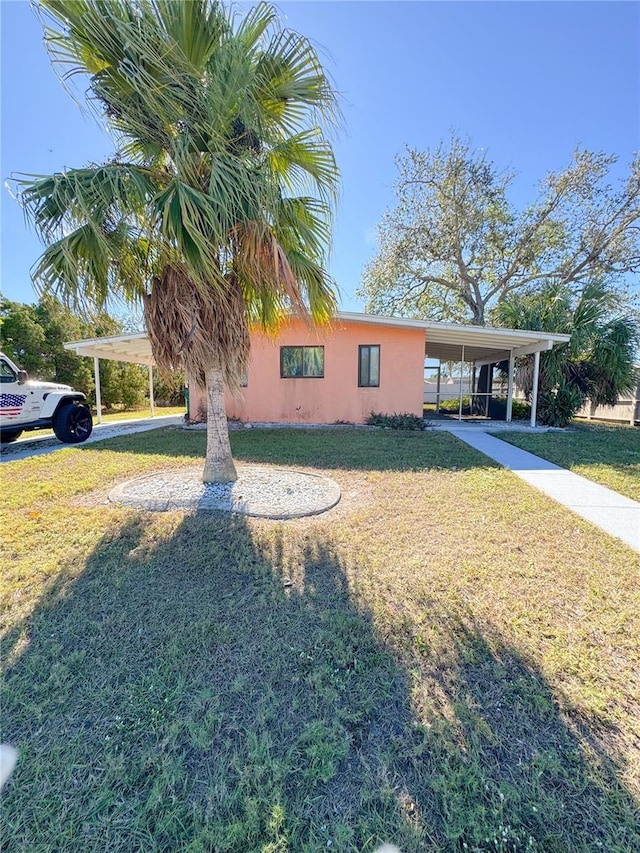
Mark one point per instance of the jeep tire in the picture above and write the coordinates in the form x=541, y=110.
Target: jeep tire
x=72, y=423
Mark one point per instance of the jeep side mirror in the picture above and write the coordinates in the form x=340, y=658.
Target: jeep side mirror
x=22, y=377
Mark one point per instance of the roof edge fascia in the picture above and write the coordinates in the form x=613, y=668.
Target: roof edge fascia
x=480, y=331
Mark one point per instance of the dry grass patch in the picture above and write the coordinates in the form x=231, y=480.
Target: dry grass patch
x=445, y=660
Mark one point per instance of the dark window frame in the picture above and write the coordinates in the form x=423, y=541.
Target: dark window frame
x=368, y=383
x=7, y=374
x=302, y=374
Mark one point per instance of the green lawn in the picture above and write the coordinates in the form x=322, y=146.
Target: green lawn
x=446, y=660
x=160, y=411
x=609, y=455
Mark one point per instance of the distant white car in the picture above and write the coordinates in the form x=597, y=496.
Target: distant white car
x=27, y=404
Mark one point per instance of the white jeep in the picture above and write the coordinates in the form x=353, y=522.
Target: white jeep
x=27, y=404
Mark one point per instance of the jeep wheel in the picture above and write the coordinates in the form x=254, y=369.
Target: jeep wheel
x=7, y=435
x=72, y=423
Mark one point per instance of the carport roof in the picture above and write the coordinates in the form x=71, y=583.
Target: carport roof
x=444, y=341
x=134, y=348
x=481, y=343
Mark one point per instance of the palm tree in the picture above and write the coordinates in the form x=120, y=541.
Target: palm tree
x=598, y=362
x=215, y=212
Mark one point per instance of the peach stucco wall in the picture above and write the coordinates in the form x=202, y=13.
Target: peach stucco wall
x=337, y=396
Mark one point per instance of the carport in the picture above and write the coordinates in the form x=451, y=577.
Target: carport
x=478, y=346
x=482, y=346
x=134, y=349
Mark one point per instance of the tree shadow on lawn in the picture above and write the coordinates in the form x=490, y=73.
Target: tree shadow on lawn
x=370, y=450
x=207, y=684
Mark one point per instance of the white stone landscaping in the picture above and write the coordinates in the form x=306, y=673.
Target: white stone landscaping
x=262, y=492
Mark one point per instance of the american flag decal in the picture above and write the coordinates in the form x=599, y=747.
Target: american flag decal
x=11, y=404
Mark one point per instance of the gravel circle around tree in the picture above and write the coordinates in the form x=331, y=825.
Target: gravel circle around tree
x=275, y=493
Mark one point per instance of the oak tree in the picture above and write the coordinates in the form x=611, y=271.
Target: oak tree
x=455, y=244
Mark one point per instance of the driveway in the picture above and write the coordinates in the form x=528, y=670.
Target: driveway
x=34, y=445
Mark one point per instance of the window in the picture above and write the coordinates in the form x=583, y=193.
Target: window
x=302, y=362
x=369, y=366
x=6, y=374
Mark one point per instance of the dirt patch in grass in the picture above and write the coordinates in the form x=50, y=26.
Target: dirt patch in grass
x=445, y=660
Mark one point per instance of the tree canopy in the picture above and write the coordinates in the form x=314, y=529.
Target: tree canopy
x=455, y=244
x=215, y=211
x=598, y=363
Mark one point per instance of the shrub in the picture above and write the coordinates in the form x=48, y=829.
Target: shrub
x=168, y=388
x=202, y=414
x=520, y=409
x=402, y=420
x=557, y=408
x=454, y=405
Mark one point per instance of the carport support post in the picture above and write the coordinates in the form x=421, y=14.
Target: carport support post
x=534, y=389
x=438, y=389
x=510, y=387
x=461, y=367
x=96, y=377
x=472, y=390
x=151, y=405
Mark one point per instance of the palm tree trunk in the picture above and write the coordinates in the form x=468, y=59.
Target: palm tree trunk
x=218, y=466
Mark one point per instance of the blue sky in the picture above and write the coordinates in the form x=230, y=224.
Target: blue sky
x=526, y=81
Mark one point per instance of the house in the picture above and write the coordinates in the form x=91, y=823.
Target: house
x=361, y=363
x=315, y=375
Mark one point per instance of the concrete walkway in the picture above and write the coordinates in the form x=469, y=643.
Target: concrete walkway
x=611, y=512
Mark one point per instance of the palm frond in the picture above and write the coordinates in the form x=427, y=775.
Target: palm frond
x=56, y=202
x=304, y=223
x=85, y=267
x=598, y=361
x=319, y=288
x=191, y=222
x=290, y=82
x=278, y=277
x=196, y=27
x=305, y=160
x=260, y=264
x=254, y=25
